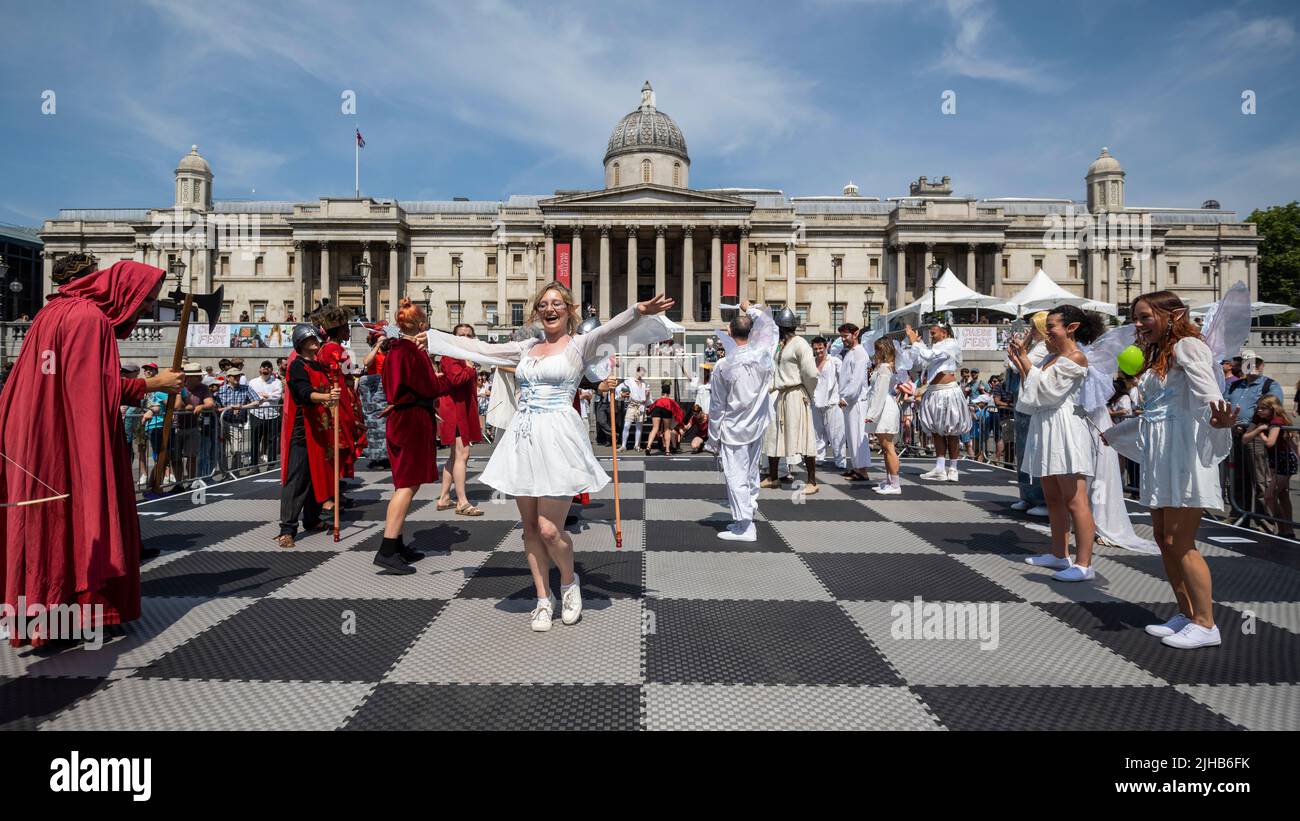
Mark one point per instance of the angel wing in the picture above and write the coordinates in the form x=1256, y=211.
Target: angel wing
x=764, y=336
x=904, y=359
x=1227, y=325
x=1103, y=353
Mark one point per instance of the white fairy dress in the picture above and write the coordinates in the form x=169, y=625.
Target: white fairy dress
x=1059, y=441
x=546, y=448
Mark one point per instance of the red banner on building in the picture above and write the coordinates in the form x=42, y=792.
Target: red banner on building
x=562, y=254
x=730, y=268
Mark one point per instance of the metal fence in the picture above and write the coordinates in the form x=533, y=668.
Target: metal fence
x=209, y=445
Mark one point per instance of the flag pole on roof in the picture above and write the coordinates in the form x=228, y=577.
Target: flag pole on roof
x=360, y=144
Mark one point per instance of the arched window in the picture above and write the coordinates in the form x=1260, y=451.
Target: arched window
x=677, y=174
x=645, y=171
x=616, y=175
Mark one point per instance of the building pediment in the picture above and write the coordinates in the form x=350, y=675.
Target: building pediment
x=643, y=196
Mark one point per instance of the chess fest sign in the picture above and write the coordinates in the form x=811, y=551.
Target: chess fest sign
x=563, y=259
x=730, y=268
x=978, y=337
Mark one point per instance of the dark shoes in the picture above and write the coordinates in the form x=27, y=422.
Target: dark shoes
x=392, y=565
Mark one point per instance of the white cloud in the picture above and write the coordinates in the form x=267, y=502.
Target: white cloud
x=972, y=52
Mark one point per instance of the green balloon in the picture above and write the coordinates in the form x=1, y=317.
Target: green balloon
x=1130, y=360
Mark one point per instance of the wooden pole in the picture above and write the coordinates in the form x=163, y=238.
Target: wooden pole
x=335, y=408
x=160, y=466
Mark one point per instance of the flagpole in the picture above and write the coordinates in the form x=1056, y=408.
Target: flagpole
x=356, y=152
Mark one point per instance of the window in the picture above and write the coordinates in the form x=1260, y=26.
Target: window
x=1074, y=269
x=225, y=265
x=802, y=310
x=456, y=312
x=419, y=265
x=837, y=315
x=292, y=261
x=288, y=308
x=617, y=177
x=516, y=313
x=257, y=311
x=875, y=272
x=519, y=262
x=645, y=171
x=383, y=308
x=1206, y=275
x=1173, y=273
x=774, y=267
x=491, y=265
x=490, y=312
x=226, y=308
x=1038, y=264
x=677, y=174
x=801, y=267
x=258, y=267
x=1006, y=266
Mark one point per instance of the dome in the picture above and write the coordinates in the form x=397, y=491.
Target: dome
x=647, y=129
x=193, y=162
x=1105, y=164
x=851, y=190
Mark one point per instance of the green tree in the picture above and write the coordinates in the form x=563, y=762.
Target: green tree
x=1279, y=254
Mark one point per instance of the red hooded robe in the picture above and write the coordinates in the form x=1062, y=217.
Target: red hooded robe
x=61, y=423
x=318, y=431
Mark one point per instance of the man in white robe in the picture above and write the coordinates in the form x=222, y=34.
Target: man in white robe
x=738, y=415
x=828, y=419
x=853, y=395
x=794, y=381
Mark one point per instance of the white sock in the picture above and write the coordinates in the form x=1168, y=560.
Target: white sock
x=893, y=480
x=544, y=604
x=567, y=587
x=940, y=464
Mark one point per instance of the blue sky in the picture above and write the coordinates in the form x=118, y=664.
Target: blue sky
x=487, y=99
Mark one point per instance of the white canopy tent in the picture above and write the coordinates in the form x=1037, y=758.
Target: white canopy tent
x=1042, y=294
x=950, y=294
x=1257, y=309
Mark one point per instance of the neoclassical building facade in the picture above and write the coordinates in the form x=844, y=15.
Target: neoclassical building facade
x=832, y=258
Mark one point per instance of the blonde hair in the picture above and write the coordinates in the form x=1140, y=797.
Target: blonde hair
x=574, y=318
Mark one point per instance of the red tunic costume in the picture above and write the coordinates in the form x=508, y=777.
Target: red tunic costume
x=318, y=430
x=352, y=430
x=412, y=389
x=61, y=423
x=458, y=407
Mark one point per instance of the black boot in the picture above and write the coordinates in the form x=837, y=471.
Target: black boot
x=388, y=559
x=408, y=554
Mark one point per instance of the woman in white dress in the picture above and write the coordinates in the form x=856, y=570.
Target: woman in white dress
x=1058, y=449
x=882, y=415
x=1180, y=438
x=943, y=411
x=544, y=458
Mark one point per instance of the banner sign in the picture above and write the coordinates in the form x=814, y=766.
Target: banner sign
x=730, y=268
x=562, y=253
x=241, y=335
x=978, y=337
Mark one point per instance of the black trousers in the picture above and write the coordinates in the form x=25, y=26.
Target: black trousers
x=602, y=422
x=296, y=495
x=265, y=435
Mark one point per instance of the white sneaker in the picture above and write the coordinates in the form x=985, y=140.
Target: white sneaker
x=952, y=475
x=1178, y=622
x=1040, y=511
x=889, y=490
x=935, y=474
x=1075, y=573
x=571, y=603
x=1020, y=505
x=541, y=619
x=1192, y=636
x=1048, y=560
x=749, y=534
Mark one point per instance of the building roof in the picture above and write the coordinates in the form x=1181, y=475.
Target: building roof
x=647, y=129
x=20, y=233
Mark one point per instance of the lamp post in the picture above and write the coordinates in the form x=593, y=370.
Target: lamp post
x=1217, y=261
x=934, y=270
x=870, y=308
x=1127, y=273
x=428, y=299
x=835, y=264
x=456, y=263
x=363, y=270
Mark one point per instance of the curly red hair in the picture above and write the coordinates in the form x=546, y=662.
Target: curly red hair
x=1165, y=305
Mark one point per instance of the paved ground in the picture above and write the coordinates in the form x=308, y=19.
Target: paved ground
x=802, y=629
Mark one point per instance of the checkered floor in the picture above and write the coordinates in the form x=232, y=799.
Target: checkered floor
x=799, y=630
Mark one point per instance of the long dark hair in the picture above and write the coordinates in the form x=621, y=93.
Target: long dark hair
x=1090, y=325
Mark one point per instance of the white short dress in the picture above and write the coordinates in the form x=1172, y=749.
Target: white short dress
x=881, y=410
x=1059, y=442
x=1173, y=440
x=546, y=449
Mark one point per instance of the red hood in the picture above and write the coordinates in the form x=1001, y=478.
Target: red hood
x=118, y=291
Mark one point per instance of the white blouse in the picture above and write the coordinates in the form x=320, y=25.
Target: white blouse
x=942, y=357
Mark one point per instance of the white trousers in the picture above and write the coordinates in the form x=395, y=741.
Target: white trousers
x=739, y=465
x=829, y=425
x=633, y=416
x=855, y=436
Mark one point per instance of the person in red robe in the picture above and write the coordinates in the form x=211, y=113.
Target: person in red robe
x=62, y=436
x=333, y=320
x=413, y=389
x=458, y=427
x=306, y=438
x=666, y=416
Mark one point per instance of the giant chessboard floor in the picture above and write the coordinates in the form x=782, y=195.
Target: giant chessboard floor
x=849, y=612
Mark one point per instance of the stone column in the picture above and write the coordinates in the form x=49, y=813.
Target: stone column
x=1252, y=273
x=742, y=280
x=970, y=266
x=326, y=291
x=532, y=269
x=503, y=271
x=791, y=266
x=715, y=275
x=1094, y=276
x=548, y=269
x=688, y=274
x=575, y=267
x=631, y=265
x=1112, y=275
x=1157, y=269
x=394, y=281
x=661, y=257
x=602, y=288
x=139, y=252
x=47, y=284
x=304, y=280
x=900, y=274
